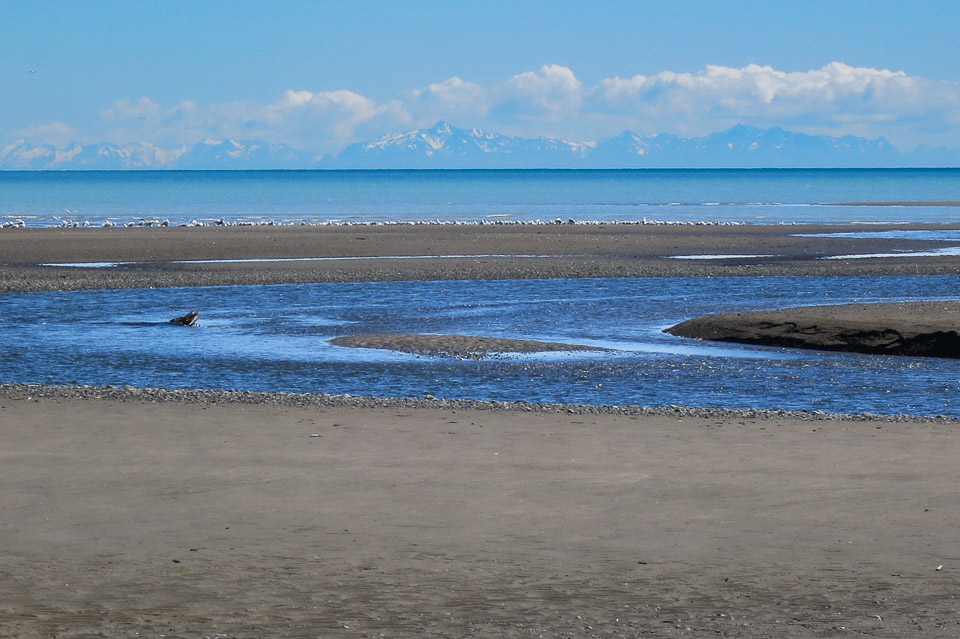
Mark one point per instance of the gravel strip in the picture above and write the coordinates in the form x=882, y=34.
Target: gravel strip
x=190, y=396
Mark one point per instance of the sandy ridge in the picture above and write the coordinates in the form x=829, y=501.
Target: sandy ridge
x=153, y=255
x=457, y=346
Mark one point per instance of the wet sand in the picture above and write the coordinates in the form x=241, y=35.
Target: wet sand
x=143, y=514
x=468, y=346
x=365, y=253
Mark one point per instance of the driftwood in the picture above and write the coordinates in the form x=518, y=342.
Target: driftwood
x=190, y=319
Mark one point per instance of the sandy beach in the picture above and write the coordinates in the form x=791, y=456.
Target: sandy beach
x=257, y=520
x=126, y=513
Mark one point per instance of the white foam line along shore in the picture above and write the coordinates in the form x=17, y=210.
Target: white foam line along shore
x=942, y=252
x=255, y=260
x=20, y=222
x=715, y=257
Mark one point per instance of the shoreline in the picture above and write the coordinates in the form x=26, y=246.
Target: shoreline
x=196, y=513
x=128, y=394
x=900, y=203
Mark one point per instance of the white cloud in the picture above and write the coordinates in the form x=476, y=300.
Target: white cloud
x=865, y=101
x=125, y=109
x=837, y=99
x=756, y=84
x=55, y=133
x=452, y=99
x=340, y=112
x=553, y=91
x=331, y=119
x=324, y=121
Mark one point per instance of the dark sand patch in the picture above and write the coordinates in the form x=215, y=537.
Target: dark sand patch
x=471, y=346
x=918, y=329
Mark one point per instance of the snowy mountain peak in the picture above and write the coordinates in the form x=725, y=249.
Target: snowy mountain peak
x=444, y=146
x=442, y=127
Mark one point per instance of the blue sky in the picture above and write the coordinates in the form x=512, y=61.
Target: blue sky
x=319, y=75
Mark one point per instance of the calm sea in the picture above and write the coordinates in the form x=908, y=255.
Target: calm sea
x=275, y=338
x=293, y=197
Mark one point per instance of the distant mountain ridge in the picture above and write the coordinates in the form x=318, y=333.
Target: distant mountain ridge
x=444, y=146
x=209, y=154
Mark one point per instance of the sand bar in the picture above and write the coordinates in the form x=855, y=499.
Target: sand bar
x=917, y=329
x=472, y=346
x=155, y=255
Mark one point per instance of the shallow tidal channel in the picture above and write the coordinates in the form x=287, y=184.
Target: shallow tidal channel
x=277, y=338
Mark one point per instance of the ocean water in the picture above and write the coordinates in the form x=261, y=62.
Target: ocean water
x=771, y=196
x=276, y=338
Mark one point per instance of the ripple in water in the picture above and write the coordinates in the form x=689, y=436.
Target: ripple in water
x=276, y=338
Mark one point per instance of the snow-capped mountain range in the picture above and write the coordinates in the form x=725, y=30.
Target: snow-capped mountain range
x=447, y=147
x=209, y=154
